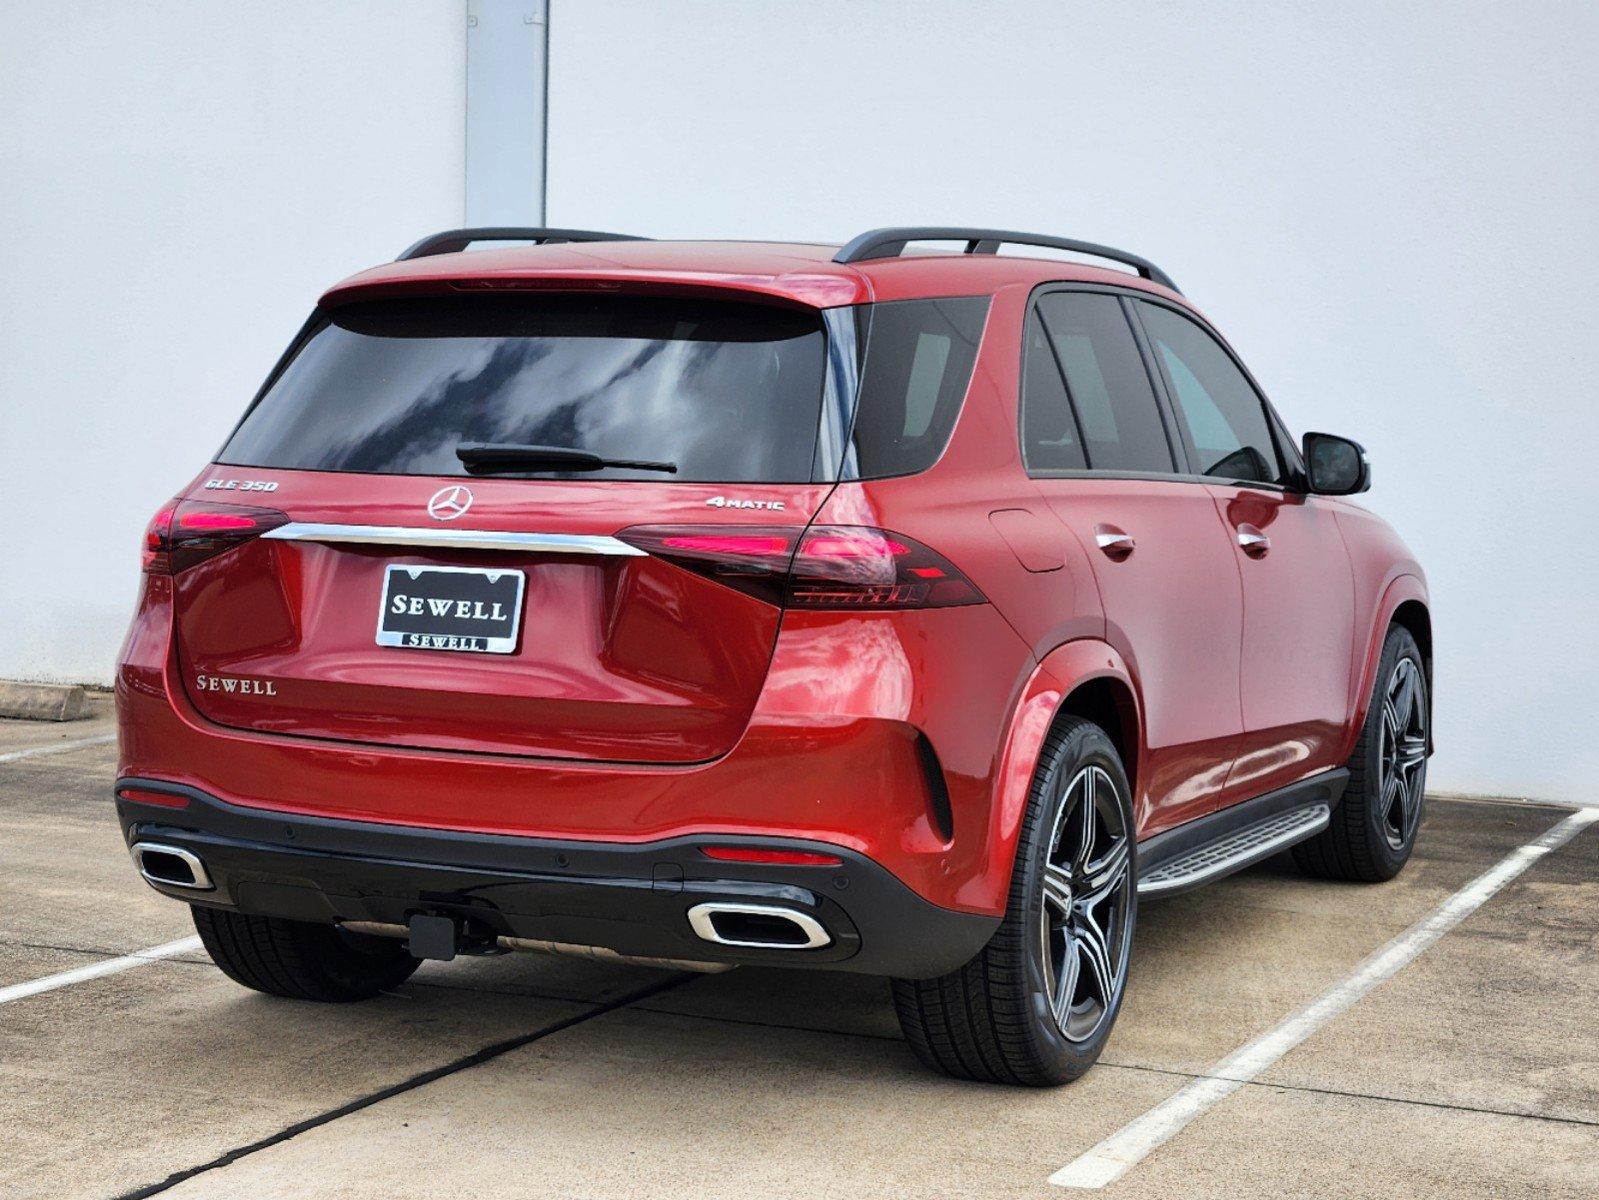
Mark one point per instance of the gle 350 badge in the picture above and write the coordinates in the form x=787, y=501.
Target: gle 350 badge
x=241, y=485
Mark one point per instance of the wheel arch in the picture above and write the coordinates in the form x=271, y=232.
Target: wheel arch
x=1404, y=603
x=1087, y=679
x=1108, y=701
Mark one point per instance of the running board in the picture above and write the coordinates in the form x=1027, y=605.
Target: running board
x=1234, y=851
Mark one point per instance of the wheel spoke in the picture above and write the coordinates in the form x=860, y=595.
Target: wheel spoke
x=1412, y=749
x=1404, y=804
x=1086, y=825
x=1104, y=875
x=1064, y=982
x=1402, y=693
x=1392, y=798
x=1095, y=946
x=1058, y=887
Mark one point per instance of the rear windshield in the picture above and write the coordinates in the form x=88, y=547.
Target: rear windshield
x=728, y=392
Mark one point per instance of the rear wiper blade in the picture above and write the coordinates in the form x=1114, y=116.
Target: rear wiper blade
x=487, y=458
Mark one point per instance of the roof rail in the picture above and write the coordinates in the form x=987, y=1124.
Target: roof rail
x=452, y=240
x=890, y=243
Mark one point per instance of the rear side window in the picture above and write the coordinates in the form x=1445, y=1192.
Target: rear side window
x=1229, y=435
x=729, y=392
x=917, y=367
x=1050, y=439
x=1107, y=383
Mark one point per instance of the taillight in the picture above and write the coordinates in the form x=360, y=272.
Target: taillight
x=191, y=531
x=823, y=567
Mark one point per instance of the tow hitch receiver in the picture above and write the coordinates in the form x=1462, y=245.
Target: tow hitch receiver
x=433, y=936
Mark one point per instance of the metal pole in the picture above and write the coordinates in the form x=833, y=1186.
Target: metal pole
x=507, y=52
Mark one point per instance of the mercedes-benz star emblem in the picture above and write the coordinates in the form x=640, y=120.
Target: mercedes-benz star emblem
x=449, y=502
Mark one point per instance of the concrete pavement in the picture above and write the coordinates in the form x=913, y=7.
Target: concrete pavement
x=1474, y=1071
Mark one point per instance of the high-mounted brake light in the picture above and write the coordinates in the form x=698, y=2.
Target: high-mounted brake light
x=188, y=532
x=851, y=567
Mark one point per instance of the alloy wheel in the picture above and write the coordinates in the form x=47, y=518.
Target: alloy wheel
x=1084, y=922
x=1402, y=752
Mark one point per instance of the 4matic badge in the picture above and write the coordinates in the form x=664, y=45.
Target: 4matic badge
x=730, y=502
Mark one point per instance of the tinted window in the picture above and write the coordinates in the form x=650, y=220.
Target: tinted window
x=1049, y=432
x=918, y=363
x=729, y=392
x=1107, y=382
x=1223, y=417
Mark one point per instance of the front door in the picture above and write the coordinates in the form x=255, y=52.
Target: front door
x=1297, y=580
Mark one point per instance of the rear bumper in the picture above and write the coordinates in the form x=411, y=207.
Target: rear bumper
x=633, y=898
x=869, y=734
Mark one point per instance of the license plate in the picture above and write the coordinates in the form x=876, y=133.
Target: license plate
x=451, y=608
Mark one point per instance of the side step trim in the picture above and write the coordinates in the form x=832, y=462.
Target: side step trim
x=1235, y=851
x=1200, y=843
x=455, y=539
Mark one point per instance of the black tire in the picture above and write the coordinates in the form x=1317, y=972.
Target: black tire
x=992, y=1020
x=1364, y=843
x=300, y=960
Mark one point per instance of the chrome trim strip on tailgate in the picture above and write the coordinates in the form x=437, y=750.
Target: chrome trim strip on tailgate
x=453, y=539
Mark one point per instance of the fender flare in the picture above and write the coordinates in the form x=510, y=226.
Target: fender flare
x=1400, y=590
x=1056, y=676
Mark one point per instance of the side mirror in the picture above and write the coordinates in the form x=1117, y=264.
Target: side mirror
x=1336, y=466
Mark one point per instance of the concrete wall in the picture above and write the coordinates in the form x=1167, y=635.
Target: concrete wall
x=1389, y=208
x=178, y=182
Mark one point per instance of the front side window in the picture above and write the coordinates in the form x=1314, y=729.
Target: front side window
x=1228, y=432
x=1106, y=380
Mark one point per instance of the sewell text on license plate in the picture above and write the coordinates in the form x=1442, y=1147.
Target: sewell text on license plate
x=451, y=608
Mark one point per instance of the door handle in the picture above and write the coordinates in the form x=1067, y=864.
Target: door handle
x=1253, y=542
x=1116, y=543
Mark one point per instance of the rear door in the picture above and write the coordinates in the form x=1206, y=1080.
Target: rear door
x=1096, y=442
x=407, y=597
x=1297, y=580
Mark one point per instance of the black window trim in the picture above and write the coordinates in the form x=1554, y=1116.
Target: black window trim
x=1291, y=461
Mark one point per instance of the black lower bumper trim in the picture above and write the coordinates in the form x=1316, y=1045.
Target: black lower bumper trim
x=631, y=898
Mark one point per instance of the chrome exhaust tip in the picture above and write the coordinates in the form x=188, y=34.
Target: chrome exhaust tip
x=171, y=866
x=757, y=926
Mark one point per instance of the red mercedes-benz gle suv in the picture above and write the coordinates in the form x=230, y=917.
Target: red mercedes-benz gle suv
x=907, y=613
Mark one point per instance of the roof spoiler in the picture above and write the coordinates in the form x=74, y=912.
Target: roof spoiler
x=890, y=242
x=453, y=240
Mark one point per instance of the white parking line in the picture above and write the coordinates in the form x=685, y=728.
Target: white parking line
x=110, y=966
x=1124, y=1149
x=56, y=748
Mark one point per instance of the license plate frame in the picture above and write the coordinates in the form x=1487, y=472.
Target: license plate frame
x=485, y=627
